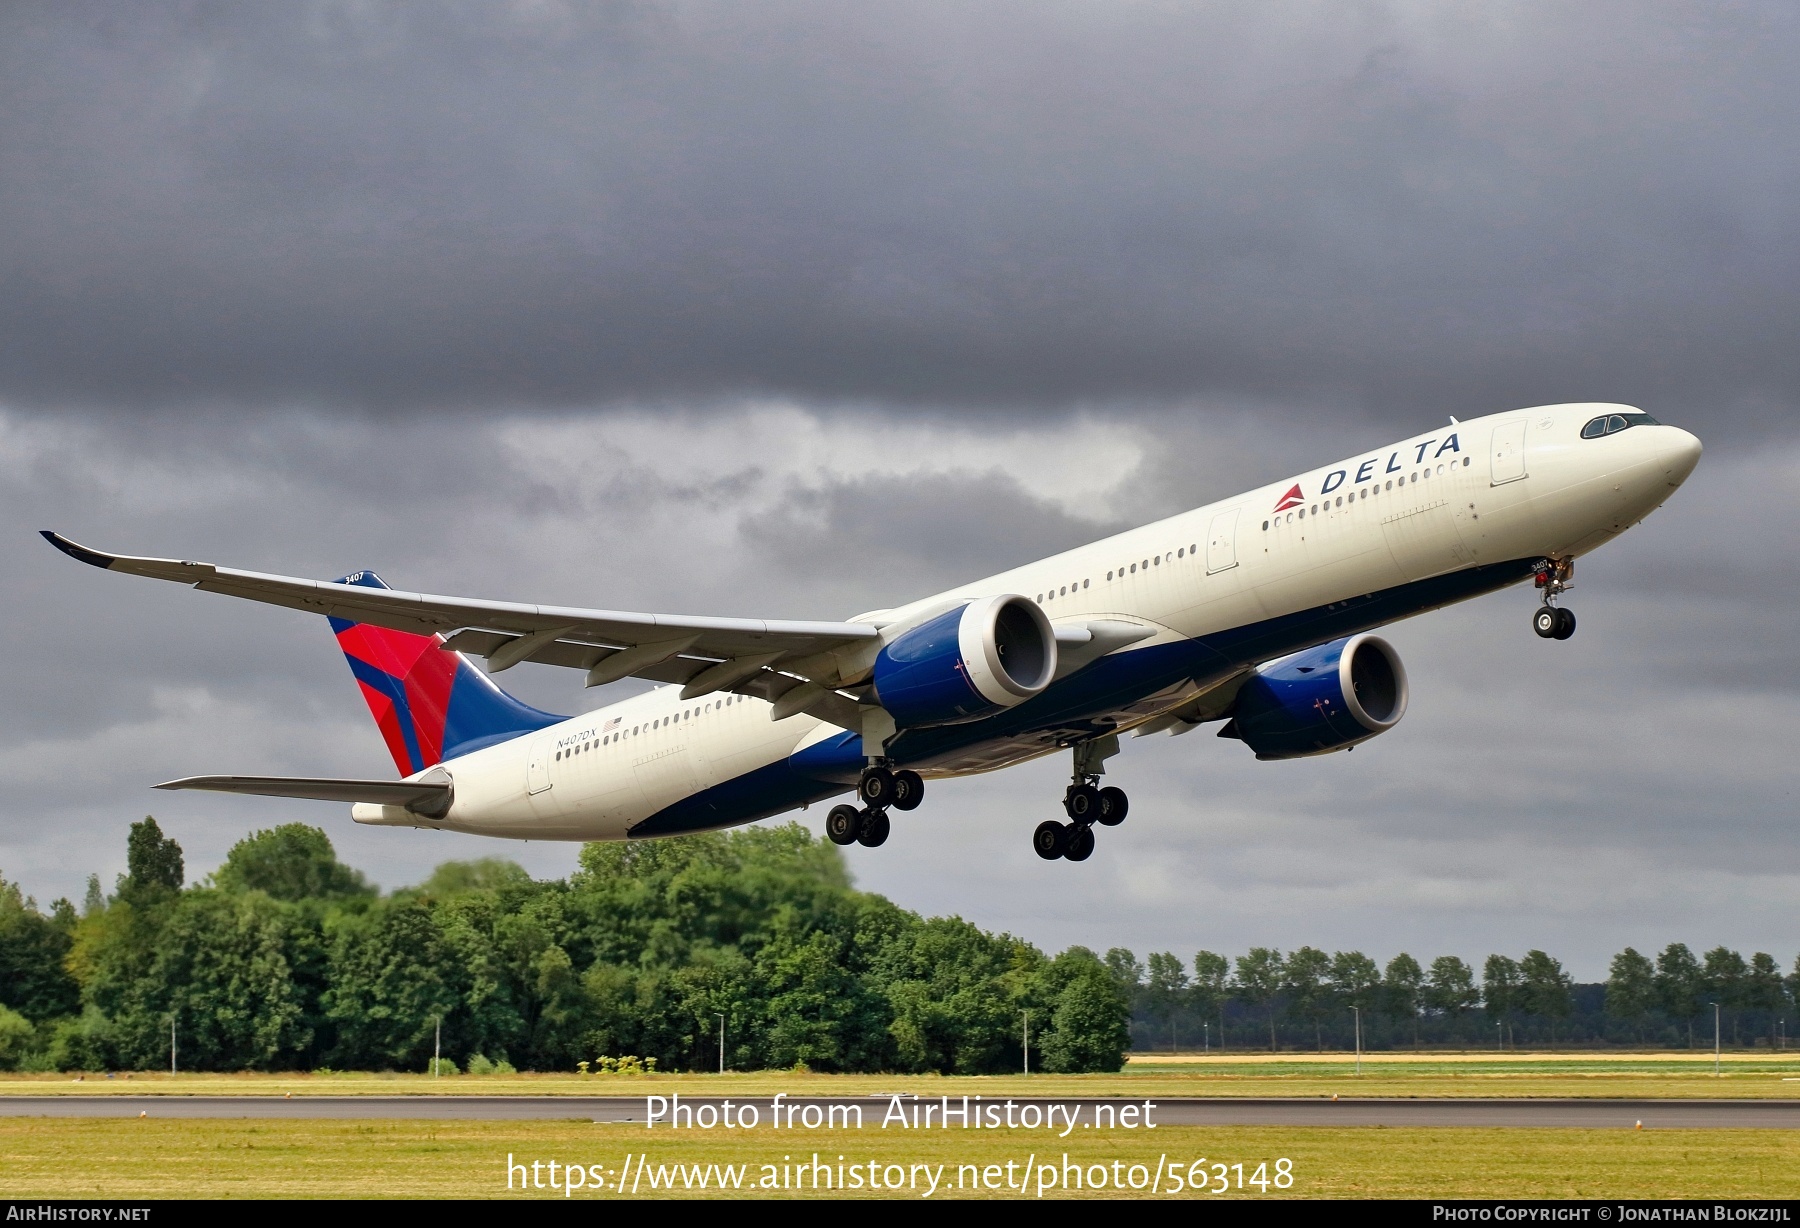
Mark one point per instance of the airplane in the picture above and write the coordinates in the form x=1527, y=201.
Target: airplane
x=1257, y=611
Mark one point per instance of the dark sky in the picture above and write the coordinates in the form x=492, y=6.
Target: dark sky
x=801, y=309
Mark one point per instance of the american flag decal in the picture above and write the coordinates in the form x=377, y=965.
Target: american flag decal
x=611, y=725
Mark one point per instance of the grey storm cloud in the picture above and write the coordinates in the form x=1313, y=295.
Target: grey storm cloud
x=1402, y=206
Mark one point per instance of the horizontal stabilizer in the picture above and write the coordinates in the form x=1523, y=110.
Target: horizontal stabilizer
x=427, y=797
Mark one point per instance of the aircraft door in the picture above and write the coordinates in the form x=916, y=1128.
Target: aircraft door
x=537, y=766
x=1221, y=542
x=1508, y=452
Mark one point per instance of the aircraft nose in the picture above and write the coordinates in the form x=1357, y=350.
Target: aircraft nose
x=1680, y=453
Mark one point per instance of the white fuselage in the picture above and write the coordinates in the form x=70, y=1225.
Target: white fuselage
x=1507, y=489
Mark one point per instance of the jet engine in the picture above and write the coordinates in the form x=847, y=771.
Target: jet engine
x=1324, y=699
x=970, y=662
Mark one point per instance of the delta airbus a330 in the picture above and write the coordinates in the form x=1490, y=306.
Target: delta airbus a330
x=1256, y=611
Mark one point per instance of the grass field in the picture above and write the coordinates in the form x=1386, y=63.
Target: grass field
x=76, y=1158
x=1602, y=1075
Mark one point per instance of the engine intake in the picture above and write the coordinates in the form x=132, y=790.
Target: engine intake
x=970, y=662
x=1324, y=699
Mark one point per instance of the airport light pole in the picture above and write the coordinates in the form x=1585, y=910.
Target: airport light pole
x=1027, y=1042
x=1357, y=1011
x=721, y=1044
x=1715, y=1007
x=171, y=1044
x=437, y=1043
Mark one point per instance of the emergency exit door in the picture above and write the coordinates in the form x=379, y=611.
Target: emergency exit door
x=1508, y=452
x=1221, y=542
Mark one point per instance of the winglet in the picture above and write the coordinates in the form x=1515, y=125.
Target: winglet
x=92, y=558
x=157, y=569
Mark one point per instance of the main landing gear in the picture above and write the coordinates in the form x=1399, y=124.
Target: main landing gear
x=1086, y=803
x=1552, y=622
x=879, y=788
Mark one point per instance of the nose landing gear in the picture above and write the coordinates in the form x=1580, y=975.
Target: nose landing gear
x=1552, y=622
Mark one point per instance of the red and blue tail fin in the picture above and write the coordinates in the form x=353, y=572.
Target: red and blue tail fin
x=430, y=703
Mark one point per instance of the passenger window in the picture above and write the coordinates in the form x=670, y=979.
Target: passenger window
x=1193, y=547
x=1134, y=569
x=1303, y=513
x=1084, y=584
x=1265, y=526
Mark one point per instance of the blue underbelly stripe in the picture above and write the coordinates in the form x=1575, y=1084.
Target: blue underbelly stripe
x=1076, y=706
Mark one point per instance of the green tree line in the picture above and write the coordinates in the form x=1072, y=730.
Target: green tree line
x=287, y=959
x=1307, y=998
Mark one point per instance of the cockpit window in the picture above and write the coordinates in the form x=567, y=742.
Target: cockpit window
x=1611, y=424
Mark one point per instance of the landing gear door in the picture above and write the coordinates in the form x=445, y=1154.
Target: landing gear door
x=1508, y=453
x=537, y=766
x=1221, y=542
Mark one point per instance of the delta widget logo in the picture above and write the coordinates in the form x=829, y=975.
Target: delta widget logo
x=1293, y=498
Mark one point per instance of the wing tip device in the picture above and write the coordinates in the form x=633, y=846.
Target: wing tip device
x=75, y=550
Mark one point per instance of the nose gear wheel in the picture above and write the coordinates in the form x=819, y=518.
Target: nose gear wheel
x=1554, y=577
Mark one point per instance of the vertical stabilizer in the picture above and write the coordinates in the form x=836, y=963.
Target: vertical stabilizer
x=429, y=703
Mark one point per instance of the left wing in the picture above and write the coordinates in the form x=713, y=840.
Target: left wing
x=765, y=658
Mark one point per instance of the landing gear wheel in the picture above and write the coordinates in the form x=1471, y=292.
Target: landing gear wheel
x=1080, y=843
x=1050, y=840
x=874, y=829
x=1082, y=803
x=909, y=790
x=1565, y=624
x=1113, y=805
x=843, y=824
x=876, y=788
x=1545, y=622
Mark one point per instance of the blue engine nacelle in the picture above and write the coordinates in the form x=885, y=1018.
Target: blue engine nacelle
x=971, y=662
x=1324, y=699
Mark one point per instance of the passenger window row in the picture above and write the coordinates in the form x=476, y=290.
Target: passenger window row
x=672, y=719
x=1155, y=560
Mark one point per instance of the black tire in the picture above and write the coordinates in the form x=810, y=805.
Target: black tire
x=843, y=824
x=1081, y=843
x=876, y=788
x=1050, y=839
x=874, y=831
x=1082, y=803
x=1565, y=623
x=1113, y=806
x=1545, y=622
x=909, y=789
